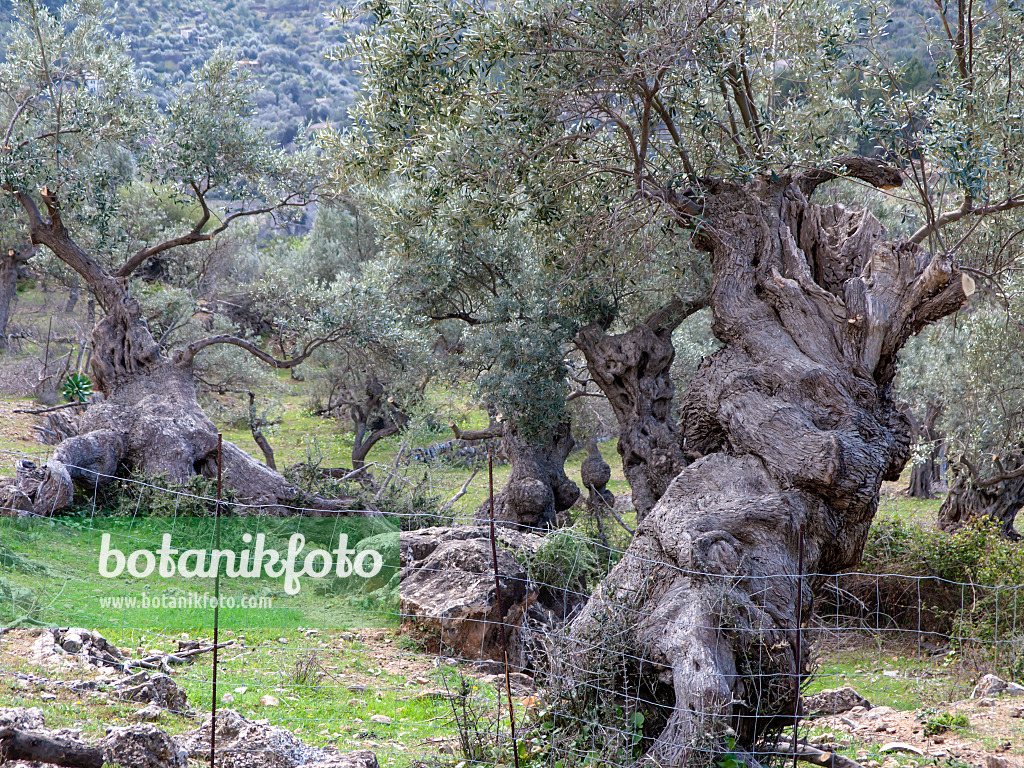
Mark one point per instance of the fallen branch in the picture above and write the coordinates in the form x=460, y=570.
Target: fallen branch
x=180, y=657
x=815, y=756
x=41, y=411
x=611, y=511
x=391, y=474
x=37, y=748
x=462, y=492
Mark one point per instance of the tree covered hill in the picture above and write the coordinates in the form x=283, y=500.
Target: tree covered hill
x=283, y=42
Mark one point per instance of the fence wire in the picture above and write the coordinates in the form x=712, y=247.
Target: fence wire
x=415, y=695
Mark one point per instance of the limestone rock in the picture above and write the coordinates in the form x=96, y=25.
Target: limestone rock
x=362, y=758
x=242, y=743
x=448, y=591
x=990, y=685
x=142, y=746
x=833, y=701
x=158, y=689
x=30, y=718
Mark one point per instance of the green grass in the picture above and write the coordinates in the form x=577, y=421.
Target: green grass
x=918, y=681
x=56, y=565
x=336, y=712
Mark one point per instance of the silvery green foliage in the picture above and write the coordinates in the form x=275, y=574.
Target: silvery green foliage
x=72, y=112
x=371, y=337
x=573, y=125
x=79, y=121
x=972, y=365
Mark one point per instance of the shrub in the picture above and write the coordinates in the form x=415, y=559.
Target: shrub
x=945, y=721
x=966, y=587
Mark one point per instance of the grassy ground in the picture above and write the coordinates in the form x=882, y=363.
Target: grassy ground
x=329, y=683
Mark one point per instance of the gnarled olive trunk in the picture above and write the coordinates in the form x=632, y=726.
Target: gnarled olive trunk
x=633, y=369
x=971, y=501
x=148, y=417
x=796, y=430
x=537, y=487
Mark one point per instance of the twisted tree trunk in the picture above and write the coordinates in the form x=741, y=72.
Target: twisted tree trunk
x=972, y=499
x=148, y=417
x=796, y=429
x=537, y=487
x=633, y=369
x=927, y=473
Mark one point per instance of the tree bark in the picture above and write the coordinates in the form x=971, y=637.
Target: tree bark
x=17, y=745
x=537, y=487
x=795, y=427
x=928, y=473
x=148, y=417
x=969, y=501
x=10, y=263
x=633, y=369
x=256, y=427
x=387, y=419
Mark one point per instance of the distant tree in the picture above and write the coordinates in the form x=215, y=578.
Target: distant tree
x=969, y=373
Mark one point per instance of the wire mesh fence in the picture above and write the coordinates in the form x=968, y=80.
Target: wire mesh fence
x=409, y=664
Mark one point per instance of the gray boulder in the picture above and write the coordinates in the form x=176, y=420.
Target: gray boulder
x=243, y=743
x=447, y=589
x=834, y=701
x=142, y=746
x=990, y=685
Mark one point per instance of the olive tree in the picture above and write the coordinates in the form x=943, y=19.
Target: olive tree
x=968, y=374
x=79, y=126
x=616, y=130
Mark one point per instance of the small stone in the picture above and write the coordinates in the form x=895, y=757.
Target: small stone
x=938, y=740
x=356, y=703
x=382, y=719
x=282, y=639
x=241, y=689
x=227, y=698
x=899, y=746
x=149, y=714
x=48, y=696
x=986, y=702
x=991, y=761
x=72, y=643
x=266, y=700
x=359, y=688
x=891, y=673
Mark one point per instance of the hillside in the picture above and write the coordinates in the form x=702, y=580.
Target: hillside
x=282, y=42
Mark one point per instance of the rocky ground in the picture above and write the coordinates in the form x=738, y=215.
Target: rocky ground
x=888, y=737
x=381, y=700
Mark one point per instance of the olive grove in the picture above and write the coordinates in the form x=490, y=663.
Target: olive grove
x=654, y=158
x=80, y=129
